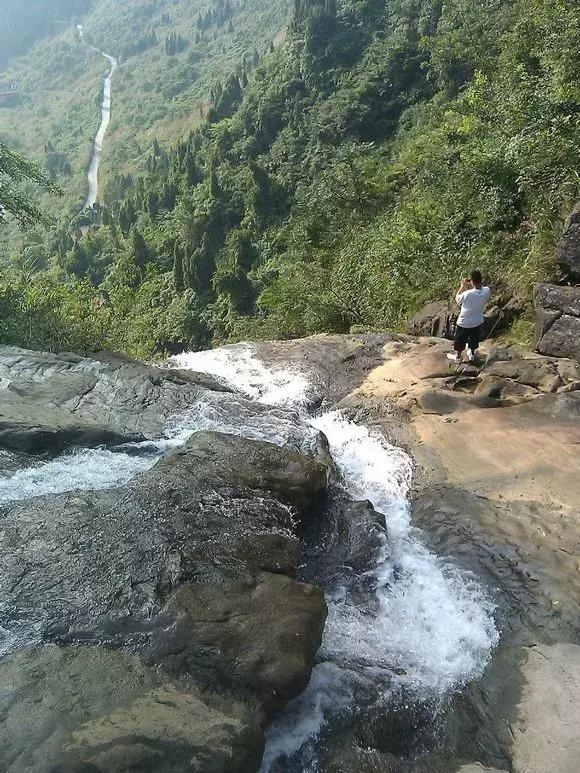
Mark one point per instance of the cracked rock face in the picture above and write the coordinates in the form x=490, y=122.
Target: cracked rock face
x=558, y=322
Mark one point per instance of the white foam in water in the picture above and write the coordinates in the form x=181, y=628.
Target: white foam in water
x=238, y=366
x=83, y=470
x=433, y=625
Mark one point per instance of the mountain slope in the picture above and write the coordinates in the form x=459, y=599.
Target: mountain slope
x=158, y=91
x=366, y=164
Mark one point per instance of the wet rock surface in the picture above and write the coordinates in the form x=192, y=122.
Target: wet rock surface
x=155, y=625
x=334, y=364
x=49, y=401
x=497, y=489
x=496, y=445
x=164, y=619
x=89, y=708
x=80, y=561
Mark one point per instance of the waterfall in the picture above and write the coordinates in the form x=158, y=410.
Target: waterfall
x=424, y=629
x=431, y=628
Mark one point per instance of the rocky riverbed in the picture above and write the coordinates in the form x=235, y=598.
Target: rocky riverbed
x=496, y=447
x=173, y=542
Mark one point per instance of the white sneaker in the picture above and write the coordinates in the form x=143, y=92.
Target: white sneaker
x=454, y=358
x=470, y=355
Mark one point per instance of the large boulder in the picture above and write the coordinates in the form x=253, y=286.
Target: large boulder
x=542, y=374
x=332, y=365
x=84, y=562
x=258, y=636
x=48, y=401
x=185, y=569
x=89, y=708
x=568, y=250
x=558, y=321
x=435, y=319
x=35, y=428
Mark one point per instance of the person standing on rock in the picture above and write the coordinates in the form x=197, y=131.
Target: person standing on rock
x=473, y=297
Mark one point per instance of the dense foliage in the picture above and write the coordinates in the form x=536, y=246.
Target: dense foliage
x=352, y=175
x=15, y=170
x=170, y=53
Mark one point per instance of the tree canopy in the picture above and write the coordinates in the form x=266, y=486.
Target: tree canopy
x=338, y=181
x=15, y=170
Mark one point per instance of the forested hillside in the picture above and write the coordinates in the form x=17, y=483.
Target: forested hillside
x=170, y=52
x=349, y=177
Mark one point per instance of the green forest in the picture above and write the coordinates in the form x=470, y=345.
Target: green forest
x=336, y=178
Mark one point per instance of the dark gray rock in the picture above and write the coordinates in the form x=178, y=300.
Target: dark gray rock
x=560, y=299
x=562, y=339
x=258, y=636
x=88, y=563
x=558, y=321
x=177, y=569
x=504, y=389
x=113, y=395
x=568, y=250
x=333, y=364
x=435, y=319
x=540, y=374
x=93, y=709
x=35, y=427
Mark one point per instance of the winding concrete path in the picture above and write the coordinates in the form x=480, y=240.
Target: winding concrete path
x=93, y=173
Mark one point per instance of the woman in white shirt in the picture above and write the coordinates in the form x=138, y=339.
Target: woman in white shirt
x=473, y=297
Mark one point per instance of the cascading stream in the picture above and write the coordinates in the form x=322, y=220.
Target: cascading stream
x=428, y=628
x=432, y=628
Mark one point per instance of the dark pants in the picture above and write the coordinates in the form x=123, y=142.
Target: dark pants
x=467, y=336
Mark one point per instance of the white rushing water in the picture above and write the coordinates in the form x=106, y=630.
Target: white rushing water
x=432, y=628
x=93, y=173
x=87, y=469
x=429, y=628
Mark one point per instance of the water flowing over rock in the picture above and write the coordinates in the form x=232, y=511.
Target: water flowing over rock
x=263, y=576
x=159, y=593
x=51, y=401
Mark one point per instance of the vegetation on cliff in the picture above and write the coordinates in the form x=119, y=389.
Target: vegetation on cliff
x=349, y=177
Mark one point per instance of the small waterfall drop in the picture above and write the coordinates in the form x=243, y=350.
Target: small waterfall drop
x=431, y=628
x=424, y=629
